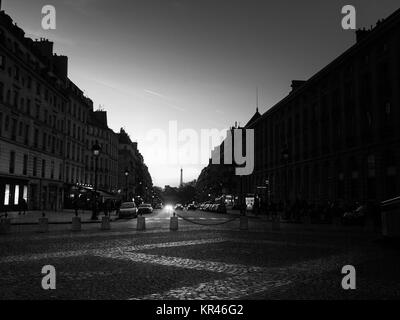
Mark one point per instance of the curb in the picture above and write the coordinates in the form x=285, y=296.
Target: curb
x=57, y=223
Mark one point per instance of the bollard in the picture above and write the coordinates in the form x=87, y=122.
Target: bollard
x=43, y=225
x=141, y=223
x=174, y=224
x=76, y=224
x=244, y=223
x=276, y=223
x=5, y=226
x=105, y=223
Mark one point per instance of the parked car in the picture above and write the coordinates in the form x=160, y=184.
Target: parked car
x=145, y=208
x=355, y=217
x=158, y=206
x=179, y=207
x=191, y=207
x=220, y=208
x=127, y=209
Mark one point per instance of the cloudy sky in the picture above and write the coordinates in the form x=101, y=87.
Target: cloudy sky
x=194, y=62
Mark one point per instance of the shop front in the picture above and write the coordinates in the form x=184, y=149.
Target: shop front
x=13, y=194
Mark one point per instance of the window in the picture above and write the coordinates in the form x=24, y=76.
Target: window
x=25, y=193
x=60, y=172
x=34, y=167
x=16, y=98
x=1, y=91
x=52, y=170
x=28, y=107
x=16, y=195
x=7, y=195
x=14, y=129
x=25, y=165
x=44, y=141
x=43, y=168
x=12, y=162
x=16, y=73
x=2, y=62
x=36, y=139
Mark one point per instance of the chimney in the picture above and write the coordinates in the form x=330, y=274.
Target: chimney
x=361, y=34
x=60, y=65
x=296, y=84
x=45, y=47
x=101, y=117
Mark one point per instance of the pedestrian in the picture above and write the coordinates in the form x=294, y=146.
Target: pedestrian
x=256, y=205
x=23, y=207
x=108, y=207
x=76, y=206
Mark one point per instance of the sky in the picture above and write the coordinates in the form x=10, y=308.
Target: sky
x=193, y=64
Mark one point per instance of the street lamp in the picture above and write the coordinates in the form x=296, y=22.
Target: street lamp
x=96, y=149
x=126, y=183
x=285, y=157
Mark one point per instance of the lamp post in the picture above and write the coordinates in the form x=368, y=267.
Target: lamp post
x=285, y=157
x=96, y=149
x=126, y=183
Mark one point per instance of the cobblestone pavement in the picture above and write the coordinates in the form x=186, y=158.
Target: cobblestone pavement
x=198, y=263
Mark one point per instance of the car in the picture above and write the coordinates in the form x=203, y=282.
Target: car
x=145, y=208
x=158, y=206
x=179, y=207
x=191, y=207
x=127, y=209
x=355, y=217
x=220, y=208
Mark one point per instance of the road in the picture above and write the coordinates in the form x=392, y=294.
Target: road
x=197, y=262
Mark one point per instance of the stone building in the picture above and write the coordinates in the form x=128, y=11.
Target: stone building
x=337, y=135
x=32, y=105
x=47, y=130
x=98, y=132
x=138, y=182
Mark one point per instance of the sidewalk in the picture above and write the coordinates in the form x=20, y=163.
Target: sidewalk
x=60, y=217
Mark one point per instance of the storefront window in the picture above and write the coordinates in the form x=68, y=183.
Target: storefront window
x=16, y=195
x=25, y=194
x=7, y=195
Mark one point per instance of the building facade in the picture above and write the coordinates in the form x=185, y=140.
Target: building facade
x=98, y=132
x=336, y=137
x=48, y=128
x=137, y=184
x=32, y=104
